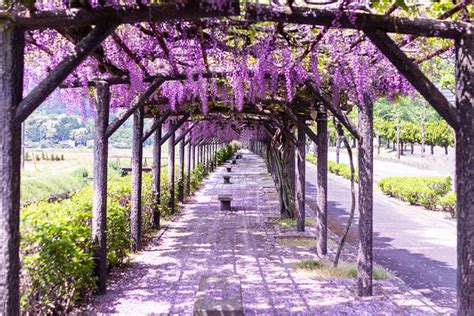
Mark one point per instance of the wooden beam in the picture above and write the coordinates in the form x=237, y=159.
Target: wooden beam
x=136, y=199
x=11, y=87
x=99, y=202
x=185, y=132
x=414, y=75
x=155, y=125
x=300, y=175
x=54, y=78
x=322, y=182
x=359, y=21
x=465, y=173
x=138, y=101
x=123, y=14
x=334, y=109
x=299, y=120
x=173, y=129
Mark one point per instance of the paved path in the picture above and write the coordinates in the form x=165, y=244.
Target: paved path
x=164, y=278
x=419, y=246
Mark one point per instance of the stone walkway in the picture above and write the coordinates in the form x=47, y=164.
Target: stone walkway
x=204, y=241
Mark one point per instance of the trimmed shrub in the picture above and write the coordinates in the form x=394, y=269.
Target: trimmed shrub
x=448, y=203
x=339, y=169
x=425, y=191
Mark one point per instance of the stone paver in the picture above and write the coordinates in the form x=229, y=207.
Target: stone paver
x=204, y=241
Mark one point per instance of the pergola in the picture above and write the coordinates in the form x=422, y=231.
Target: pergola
x=87, y=26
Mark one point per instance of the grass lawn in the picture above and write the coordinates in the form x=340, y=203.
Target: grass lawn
x=42, y=178
x=324, y=270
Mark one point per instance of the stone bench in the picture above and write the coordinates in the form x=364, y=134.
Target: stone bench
x=226, y=179
x=219, y=295
x=234, y=161
x=229, y=169
x=225, y=201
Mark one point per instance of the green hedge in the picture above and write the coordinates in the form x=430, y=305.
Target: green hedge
x=425, y=191
x=448, y=203
x=56, y=245
x=339, y=169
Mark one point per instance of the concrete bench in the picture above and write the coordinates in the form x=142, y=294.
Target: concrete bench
x=219, y=295
x=234, y=161
x=229, y=169
x=225, y=201
x=226, y=179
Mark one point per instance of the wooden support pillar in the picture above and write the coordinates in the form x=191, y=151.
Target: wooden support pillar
x=465, y=172
x=366, y=182
x=291, y=168
x=171, y=164
x=181, y=170
x=300, y=179
x=188, y=166
x=11, y=86
x=136, y=199
x=322, y=182
x=99, y=202
x=193, y=155
x=156, y=174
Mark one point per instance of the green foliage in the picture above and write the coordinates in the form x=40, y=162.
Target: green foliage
x=342, y=170
x=448, y=203
x=339, y=169
x=324, y=270
x=425, y=191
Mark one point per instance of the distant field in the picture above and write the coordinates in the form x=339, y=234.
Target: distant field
x=43, y=177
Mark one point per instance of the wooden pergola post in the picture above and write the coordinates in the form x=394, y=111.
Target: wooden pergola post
x=171, y=164
x=188, y=166
x=11, y=89
x=99, y=202
x=465, y=172
x=193, y=155
x=157, y=174
x=322, y=181
x=181, y=169
x=300, y=178
x=136, y=198
x=366, y=182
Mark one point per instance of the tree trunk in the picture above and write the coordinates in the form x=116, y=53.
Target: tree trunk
x=412, y=148
x=171, y=164
x=193, y=155
x=322, y=182
x=399, y=147
x=11, y=86
x=388, y=143
x=378, y=144
x=136, y=199
x=290, y=167
x=465, y=173
x=365, y=154
x=445, y=150
x=338, y=148
x=300, y=179
x=402, y=149
x=156, y=176
x=423, y=138
x=99, y=202
x=432, y=149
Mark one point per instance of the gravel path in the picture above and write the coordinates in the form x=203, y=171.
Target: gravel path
x=164, y=278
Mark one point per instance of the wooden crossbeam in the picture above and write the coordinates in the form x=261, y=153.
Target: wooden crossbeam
x=78, y=17
x=414, y=75
x=173, y=129
x=54, y=78
x=137, y=102
x=184, y=133
x=155, y=125
x=334, y=109
x=300, y=122
x=359, y=21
